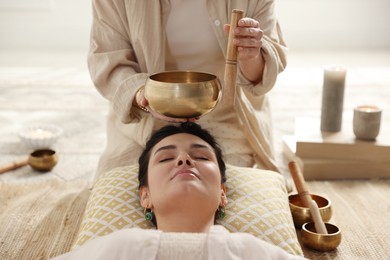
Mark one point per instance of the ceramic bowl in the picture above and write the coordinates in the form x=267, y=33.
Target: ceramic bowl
x=302, y=214
x=182, y=94
x=321, y=242
x=40, y=136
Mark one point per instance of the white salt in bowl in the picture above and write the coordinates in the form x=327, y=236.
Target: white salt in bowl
x=40, y=136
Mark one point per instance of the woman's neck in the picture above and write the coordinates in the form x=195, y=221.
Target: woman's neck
x=190, y=222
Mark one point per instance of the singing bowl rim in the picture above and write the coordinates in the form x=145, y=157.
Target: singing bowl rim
x=314, y=196
x=158, y=77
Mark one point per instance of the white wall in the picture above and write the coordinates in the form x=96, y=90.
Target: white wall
x=335, y=24
x=48, y=25
x=307, y=24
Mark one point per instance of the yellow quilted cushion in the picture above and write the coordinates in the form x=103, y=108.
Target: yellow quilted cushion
x=257, y=204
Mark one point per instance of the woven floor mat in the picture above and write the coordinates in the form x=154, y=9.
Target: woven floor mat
x=361, y=209
x=40, y=220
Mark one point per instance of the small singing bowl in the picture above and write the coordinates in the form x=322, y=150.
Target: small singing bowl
x=182, y=94
x=302, y=214
x=320, y=242
x=43, y=160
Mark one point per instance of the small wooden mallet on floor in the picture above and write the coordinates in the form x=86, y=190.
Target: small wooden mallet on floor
x=230, y=76
x=13, y=165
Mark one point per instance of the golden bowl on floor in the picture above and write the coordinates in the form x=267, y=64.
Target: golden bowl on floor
x=182, y=94
x=43, y=160
x=321, y=242
x=302, y=214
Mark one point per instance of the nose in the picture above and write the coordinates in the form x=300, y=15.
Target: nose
x=184, y=159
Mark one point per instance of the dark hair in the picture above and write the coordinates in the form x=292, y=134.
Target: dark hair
x=187, y=128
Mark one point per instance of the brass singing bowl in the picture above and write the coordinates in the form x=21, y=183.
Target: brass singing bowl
x=302, y=214
x=182, y=94
x=43, y=160
x=321, y=242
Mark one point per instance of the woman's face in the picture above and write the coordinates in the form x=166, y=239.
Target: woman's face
x=183, y=170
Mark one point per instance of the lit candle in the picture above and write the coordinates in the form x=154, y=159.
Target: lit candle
x=332, y=98
x=368, y=109
x=366, y=122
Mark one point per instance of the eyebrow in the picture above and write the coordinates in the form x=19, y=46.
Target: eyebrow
x=173, y=147
x=167, y=147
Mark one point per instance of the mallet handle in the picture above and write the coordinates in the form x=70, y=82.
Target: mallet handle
x=230, y=77
x=13, y=166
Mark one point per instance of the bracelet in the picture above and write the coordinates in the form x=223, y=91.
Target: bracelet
x=144, y=109
x=136, y=100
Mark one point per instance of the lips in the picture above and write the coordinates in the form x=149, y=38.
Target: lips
x=185, y=172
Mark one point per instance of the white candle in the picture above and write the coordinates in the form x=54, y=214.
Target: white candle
x=332, y=98
x=366, y=122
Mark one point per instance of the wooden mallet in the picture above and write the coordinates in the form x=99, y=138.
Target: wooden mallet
x=229, y=88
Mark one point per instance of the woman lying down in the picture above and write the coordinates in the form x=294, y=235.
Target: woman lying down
x=181, y=185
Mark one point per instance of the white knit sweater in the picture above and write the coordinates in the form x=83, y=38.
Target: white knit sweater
x=183, y=246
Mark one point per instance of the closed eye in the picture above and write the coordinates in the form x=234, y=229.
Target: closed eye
x=202, y=158
x=166, y=160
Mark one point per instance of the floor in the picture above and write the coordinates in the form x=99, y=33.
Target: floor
x=50, y=88
x=55, y=88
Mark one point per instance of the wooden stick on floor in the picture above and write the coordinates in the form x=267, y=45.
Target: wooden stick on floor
x=13, y=166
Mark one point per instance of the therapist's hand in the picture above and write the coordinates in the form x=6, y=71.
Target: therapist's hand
x=247, y=37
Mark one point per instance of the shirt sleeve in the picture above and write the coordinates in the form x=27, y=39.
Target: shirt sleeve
x=274, y=48
x=251, y=247
x=112, y=62
x=120, y=245
x=239, y=245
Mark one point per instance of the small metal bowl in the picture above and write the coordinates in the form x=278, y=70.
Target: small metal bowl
x=182, y=94
x=302, y=214
x=321, y=242
x=43, y=160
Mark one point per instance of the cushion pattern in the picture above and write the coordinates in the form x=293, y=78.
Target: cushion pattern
x=257, y=204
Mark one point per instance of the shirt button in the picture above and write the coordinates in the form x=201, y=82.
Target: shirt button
x=217, y=22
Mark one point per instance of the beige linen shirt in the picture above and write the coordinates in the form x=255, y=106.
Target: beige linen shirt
x=128, y=43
